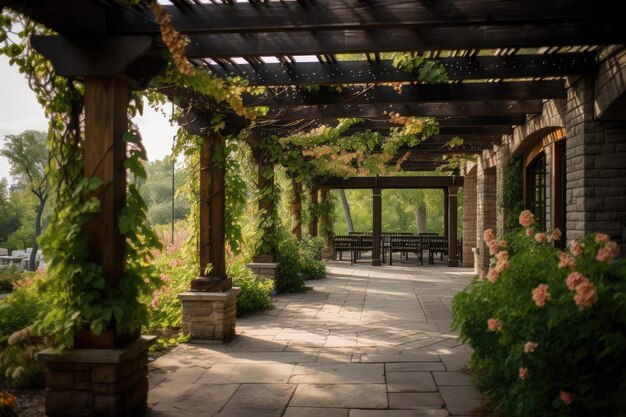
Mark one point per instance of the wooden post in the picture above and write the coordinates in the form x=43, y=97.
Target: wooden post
x=453, y=259
x=106, y=102
x=325, y=219
x=313, y=219
x=212, y=209
x=296, y=206
x=376, y=225
x=446, y=219
x=265, y=205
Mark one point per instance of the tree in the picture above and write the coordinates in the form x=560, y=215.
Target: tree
x=9, y=219
x=157, y=192
x=28, y=155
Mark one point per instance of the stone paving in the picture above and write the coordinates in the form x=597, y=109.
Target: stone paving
x=365, y=342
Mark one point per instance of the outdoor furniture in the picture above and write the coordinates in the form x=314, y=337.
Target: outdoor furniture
x=437, y=245
x=404, y=245
x=7, y=259
x=342, y=244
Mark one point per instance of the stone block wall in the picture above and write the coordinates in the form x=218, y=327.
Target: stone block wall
x=210, y=315
x=96, y=382
x=469, y=218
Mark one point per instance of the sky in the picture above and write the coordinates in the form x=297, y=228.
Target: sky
x=20, y=111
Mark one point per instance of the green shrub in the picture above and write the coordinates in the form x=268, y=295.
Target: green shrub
x=18, y=345
x=558, y=350
x=255, y=292
x=297, y=263
x=10, y=275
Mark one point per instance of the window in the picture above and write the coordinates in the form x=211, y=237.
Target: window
x=536, y=189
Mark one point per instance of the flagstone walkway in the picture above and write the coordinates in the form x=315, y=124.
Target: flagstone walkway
x=365, y=342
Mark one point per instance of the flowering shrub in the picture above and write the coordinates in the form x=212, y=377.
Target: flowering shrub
x=548, y=328
x=7, y=405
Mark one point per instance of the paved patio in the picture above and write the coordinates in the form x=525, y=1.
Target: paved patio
x=365, y=342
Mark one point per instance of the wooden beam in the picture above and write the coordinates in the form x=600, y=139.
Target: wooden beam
x=424, y=93
x=392, y=40
x=355, y=72
x=243, y=17
x=73, y=17
x=137, y=59
x=446, y=131
x=435, y=182
x=106, y=102
x=504, y=107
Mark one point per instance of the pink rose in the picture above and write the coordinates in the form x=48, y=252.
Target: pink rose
x=502, y=265
x=577, y=248
x=567, y=397
x=529, y=232
x=556, y=234
x=488, y=236
x=541, y=295
x=526, y=218
x=493, y=247
x=502, y=243
x=540, y=237
x=495, y=325
x=523, y=373
x=574, y=279
x=602, y=238
x=492, y=275
x=566, y=261
x=586, y=295
x=605, y=255
x=530, y=347
x=503, y=254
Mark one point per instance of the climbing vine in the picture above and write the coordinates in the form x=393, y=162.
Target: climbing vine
x=512, y=200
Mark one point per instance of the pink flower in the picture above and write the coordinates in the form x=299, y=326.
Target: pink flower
x=602, y=238
x=488, y=236
x=165, y=278
x=523, y=373
x=604, y=255
x=540, y=237
x=502, y=243
x=567, y=397
x=493, y=247
x=146, y=280
x=586, y=295
x=502, y=255
x=577, y=248
x=566, y=261
x=529, y=232
x=495, y=325
x=530, y=347
x=556, y=234
x=541, y=295
x=177, y=262
x=526, y=218
x=492, y=275
x=501, y=265
x=574, y=279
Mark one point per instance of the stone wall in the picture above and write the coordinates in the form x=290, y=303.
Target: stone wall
x=469, y=218
x=594, y=120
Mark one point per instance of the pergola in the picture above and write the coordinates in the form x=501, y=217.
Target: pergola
x=503, y=59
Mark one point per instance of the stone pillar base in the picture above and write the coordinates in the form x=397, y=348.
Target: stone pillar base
x=97, y=382
x=264, y=269
x=210, y=315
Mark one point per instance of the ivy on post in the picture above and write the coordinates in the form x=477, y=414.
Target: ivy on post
x=313, y=218
x=212, y=275
x=325, y=208
x=296, y=205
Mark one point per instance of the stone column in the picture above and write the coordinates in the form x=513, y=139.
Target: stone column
x=453, y=259
x=485, y=209
x=376, y=225
x=469, y=218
